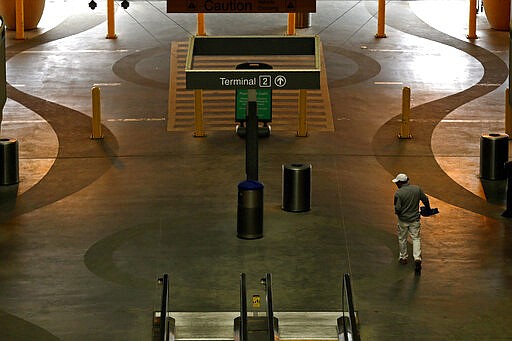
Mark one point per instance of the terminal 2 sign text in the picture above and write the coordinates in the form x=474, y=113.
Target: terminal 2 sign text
x=253, y=79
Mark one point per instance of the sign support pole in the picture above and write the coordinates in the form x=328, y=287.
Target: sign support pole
x=251, y=137
x=198, y=114
x=302, y=130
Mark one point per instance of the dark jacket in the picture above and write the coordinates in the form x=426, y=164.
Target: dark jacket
x=407, y=201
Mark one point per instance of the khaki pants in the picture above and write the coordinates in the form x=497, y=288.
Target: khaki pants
x=412, y=229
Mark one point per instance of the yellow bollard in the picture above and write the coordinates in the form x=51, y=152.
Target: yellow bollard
x=96, y=113
x=302, y=130
x=508, y=113
x=291, y=24
x=20, y=20
x=472, y=20
x=198, y=114
x=405, y=131
x=111, y=34
x=201, y=30
x=381, y=20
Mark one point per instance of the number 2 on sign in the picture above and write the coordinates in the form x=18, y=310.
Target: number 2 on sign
x=265, y=81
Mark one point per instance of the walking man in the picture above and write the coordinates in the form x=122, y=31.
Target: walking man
x=406, y=201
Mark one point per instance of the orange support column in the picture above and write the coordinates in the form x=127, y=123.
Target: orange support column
x=381, y=20
x=472, y=20
x=20, y=20
x=201, y=30
x=111, y=34
x=291, y=24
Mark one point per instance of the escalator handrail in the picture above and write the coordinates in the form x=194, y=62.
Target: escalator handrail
x=164, y=332
x=347, y=289
x=270, y=308
x=243, y=309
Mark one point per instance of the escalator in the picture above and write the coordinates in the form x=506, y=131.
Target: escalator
x=256, y=314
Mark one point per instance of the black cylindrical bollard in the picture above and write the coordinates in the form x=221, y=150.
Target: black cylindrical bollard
x=493, y=155
x=296, y=187
x=9, y=169
x=250, y=210
x=302, y=20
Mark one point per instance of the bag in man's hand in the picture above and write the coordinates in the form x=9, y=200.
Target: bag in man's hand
x=427, y=213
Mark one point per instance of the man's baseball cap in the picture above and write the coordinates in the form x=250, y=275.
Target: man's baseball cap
x=400, y=177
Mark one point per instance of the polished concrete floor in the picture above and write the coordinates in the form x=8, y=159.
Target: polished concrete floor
x=93, y=223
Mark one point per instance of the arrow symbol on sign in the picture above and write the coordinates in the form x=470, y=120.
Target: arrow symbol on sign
x=280, y=81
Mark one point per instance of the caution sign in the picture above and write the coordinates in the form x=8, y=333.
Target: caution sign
x=256, y=301
x=192, y=6
x=240, y=6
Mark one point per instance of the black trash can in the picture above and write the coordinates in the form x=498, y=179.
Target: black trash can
x=493, y=155
x=296, y=187
x=250, y=210
x=9, y=169
x=302, y=20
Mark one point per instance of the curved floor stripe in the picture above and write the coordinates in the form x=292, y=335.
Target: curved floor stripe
x=15, y=328
x=99, y=259
x=125, y=68
x=367, y=67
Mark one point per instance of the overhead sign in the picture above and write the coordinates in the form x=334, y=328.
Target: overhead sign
x=253, y=46
x=240, y=6
x=253, y=79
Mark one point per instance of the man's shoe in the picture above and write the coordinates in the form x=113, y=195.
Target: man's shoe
x=417, y=265
x=403, y=261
